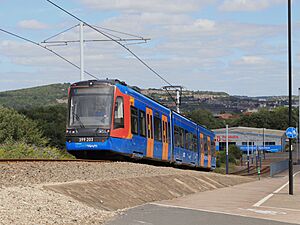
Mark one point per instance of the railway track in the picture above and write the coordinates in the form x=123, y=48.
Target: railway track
x=265, y=170
x=52, y=160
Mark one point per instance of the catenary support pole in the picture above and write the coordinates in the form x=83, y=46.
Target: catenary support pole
x=178, y=100
x=298, y=138
x=264, y=151
x=248, y=157
x=227, y=149
x=290, y=93
x=81, y=52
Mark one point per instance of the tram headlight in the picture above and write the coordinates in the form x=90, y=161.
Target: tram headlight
x=102, y=131
x=71, y=131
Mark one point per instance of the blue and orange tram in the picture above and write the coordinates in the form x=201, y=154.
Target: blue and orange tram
x=107, y=116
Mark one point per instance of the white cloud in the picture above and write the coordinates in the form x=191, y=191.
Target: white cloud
x=32, y=24
x=252, y=60
x=248, y=5
x=165, y=6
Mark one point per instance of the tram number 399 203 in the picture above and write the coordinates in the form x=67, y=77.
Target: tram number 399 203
x=86, y=139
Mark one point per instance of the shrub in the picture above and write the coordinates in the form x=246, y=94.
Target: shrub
x=17, y=127
x=18, y=150
x=234, y=154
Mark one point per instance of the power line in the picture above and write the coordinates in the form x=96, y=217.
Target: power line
x=119, y=43
x=53, y=52
x=64, y=31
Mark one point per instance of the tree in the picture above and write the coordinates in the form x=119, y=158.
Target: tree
x=276, y=119
x=52, y=122
x=17, y=127
x=206, y=118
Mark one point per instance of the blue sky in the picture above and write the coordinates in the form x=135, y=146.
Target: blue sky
x=236, y=46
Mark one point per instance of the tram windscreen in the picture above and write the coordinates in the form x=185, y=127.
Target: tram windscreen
x=91, y=107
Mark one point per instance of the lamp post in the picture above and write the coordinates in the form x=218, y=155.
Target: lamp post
x=298, y=148
x=227, y=149
x=290, y=93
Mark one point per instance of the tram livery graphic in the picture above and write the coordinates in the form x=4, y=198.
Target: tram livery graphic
x=109, y=117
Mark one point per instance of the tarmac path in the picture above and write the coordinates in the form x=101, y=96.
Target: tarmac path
x=261, y=202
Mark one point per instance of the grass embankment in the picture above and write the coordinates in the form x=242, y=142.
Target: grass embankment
x=20, y=150
x=222, y=168
x=21, y=137
x=234, y=157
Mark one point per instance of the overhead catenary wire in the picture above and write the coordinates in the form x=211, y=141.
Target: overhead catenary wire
x=50, y=50
x=119, y=43
x=118, y=38
x=64, y=31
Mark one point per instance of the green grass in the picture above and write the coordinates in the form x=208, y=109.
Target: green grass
x=222, y=168
x=19, y=150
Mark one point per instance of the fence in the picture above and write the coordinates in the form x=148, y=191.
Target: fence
x=278, y=167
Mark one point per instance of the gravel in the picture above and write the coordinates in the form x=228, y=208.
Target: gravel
x=23, y=200
x=34, y=205
x=28, y=173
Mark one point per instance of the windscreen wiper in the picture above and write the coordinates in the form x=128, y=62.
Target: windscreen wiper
x=78, y=119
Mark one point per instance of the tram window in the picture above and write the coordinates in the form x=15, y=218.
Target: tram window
x=134, y=120
x=166, y=132
x=142, y=123
x=205, y=146
x=188, y=140
x=181, y=132
x=177, y=136
x=157, y=128
x=151, y=127
x=119, y=113
x=195, y=145
x=213, y=149
x=148, y=125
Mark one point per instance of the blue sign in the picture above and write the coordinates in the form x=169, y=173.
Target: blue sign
x=291, y=132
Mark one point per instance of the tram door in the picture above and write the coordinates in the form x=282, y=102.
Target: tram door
x=150, y=139
x=208, y=152
x=165, y=137
x=201, y=150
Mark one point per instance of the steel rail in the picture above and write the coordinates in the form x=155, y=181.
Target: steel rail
x=53, y=160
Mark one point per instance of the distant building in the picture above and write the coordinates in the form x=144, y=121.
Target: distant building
x=226, y=116
x=251, y=138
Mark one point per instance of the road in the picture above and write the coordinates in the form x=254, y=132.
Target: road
x=160, y=215
x=260, y=202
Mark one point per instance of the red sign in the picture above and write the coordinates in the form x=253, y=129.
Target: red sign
x=223, y=138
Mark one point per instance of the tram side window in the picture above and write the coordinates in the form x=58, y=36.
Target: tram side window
x=119, y=113
x=157, y=128
x=134, y=120
x=168, y=131
x=142, y=123
x=181, y=131
x=151, y=127
x=195, y=145
x=213, y=149
x=177, y=136
x=148, y=124
x=164, y=132
x=205, y=146
x=188, y=140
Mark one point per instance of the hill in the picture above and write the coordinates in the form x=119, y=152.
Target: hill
x=215, y=102
x=35, y=97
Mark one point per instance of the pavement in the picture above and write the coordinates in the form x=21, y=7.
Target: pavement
x=261, y=202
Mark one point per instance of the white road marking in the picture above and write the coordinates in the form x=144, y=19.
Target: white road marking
x=196, y=209
x=296, y=210
x=262, y=201
x=265, y=212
